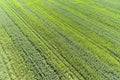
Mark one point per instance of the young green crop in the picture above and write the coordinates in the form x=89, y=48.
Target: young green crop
x=59, y=40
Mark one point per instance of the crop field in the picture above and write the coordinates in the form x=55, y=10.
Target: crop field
x=59, y=39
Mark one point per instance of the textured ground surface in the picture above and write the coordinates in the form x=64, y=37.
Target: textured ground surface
x=59, y=39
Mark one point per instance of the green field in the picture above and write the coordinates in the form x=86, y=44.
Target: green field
x=59, y=39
